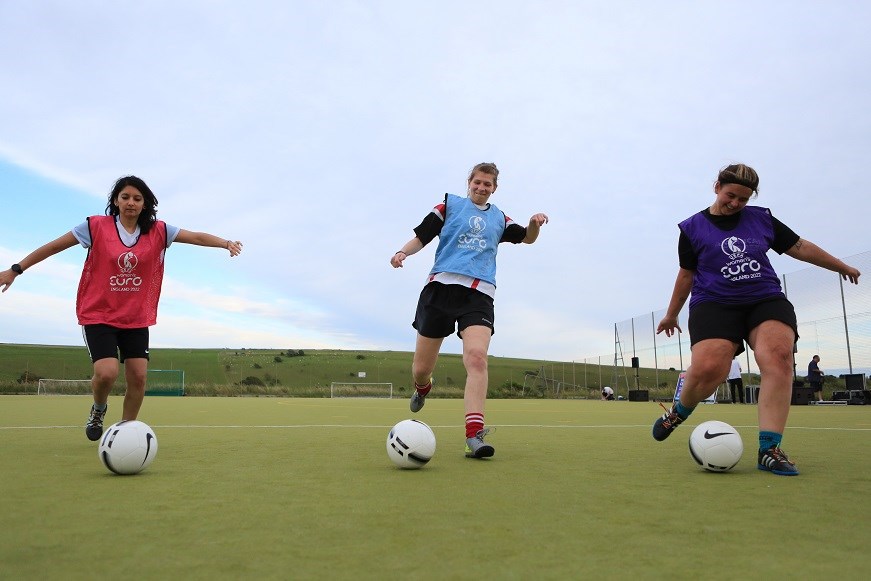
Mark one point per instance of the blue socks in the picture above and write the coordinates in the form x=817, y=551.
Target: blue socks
x=769, y=439
x=683, y=411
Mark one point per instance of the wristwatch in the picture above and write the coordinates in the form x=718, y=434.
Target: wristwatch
x=16, y=268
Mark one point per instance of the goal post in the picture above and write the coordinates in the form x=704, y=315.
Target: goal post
x=164, y=382
x=357, y=389
x=64, y=387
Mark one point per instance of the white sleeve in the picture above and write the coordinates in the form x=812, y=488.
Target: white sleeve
x=83, y=234
x=171, y=233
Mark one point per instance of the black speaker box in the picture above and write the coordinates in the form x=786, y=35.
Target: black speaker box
x=802, y=395
x=854, y=381
x=639, y=395
x=635, y=363
x=839, y=396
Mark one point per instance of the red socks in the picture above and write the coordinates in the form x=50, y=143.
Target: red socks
x=423, y=389
x=474, y=424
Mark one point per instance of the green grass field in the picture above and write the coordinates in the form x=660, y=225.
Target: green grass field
x=292, y=488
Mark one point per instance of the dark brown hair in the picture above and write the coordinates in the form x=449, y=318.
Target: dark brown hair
x=149, y=209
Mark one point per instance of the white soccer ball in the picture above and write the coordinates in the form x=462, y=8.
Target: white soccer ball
x=716, y=446
x=128, y=447
x=410, y=444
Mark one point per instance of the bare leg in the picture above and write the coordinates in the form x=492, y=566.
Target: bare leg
x=105, y=374
x=709, y=365
x=135, y=369
x=772, y=343
x=426, y=353
x=476, y=342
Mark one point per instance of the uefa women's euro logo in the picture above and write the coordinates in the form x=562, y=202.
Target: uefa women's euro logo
x=127, y=261
x=126, y=280
x=733, y=245
x=739, y=267
x=472, y=238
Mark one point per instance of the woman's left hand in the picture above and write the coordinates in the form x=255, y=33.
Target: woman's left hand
x=235, y=247
x=539, y=219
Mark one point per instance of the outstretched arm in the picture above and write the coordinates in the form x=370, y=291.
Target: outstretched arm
x=37, y=256
x=809, y=252
x=210, y=240
x=535, y=224
x=682, y=287
x=411, y=247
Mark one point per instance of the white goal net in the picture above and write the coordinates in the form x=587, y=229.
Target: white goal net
x=165, y=382
x=64, y=387
x=343, y=389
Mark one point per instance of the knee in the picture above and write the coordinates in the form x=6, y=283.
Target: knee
x=778, y=358
x=475, y=361
x=136, y=379
x=137, y=383
x=706, y=372
x=105, y=375
x=420, y=371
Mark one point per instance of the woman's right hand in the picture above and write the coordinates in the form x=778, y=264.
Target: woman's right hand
x=668, y=324
x=397, y=259
x=6, y=278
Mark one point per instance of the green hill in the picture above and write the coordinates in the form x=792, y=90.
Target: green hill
x=309, y=373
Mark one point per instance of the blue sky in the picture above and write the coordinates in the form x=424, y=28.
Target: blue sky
x=320, y=133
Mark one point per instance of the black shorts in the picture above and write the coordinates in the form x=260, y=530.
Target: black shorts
x=816, y=386
x=734, y=322
x=105, y=341
x=445, y=307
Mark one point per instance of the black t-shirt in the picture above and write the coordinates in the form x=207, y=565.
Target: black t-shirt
x=784, y=238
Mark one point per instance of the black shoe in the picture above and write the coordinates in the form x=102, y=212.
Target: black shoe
x=94, y=427
x=775, y=460
x=664, y=426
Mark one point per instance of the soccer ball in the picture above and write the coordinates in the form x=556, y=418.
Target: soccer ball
x=716, y=446
x=410, y=444
x=128, y=447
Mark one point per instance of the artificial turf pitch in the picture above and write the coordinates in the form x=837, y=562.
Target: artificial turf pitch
x=290, y=488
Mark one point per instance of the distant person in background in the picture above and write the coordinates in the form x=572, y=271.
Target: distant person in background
x=607, y=393
x=119, y=288
x=459, y=290
x=737, y=297
x=815, y=377
x=735, y=381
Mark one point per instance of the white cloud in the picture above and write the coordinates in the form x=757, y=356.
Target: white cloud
x=320, y=134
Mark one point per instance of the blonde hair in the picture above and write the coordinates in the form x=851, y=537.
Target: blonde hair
x=487, y=168
x=740, y=174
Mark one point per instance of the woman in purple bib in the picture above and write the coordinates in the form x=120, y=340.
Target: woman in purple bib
x=735, y=296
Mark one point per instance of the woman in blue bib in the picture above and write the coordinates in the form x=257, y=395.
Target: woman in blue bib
x=459, y=290
x=736, y=297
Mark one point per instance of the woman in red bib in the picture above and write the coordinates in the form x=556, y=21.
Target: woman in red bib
x=120, y=288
